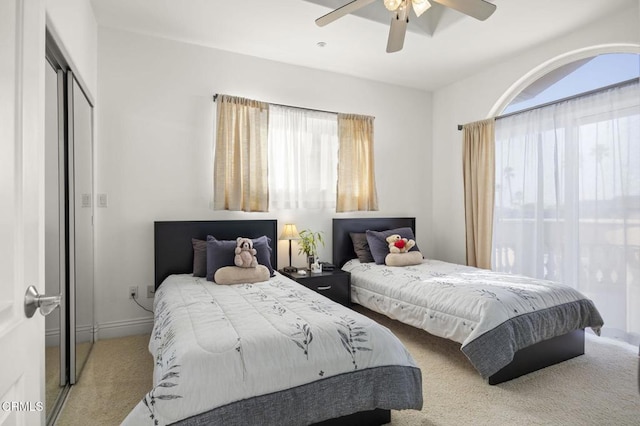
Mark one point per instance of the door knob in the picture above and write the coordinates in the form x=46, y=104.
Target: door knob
x=34, y=300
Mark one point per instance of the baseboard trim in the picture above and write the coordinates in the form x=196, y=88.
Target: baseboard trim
x=52, y=337
x=84, y=333
x=122, y=328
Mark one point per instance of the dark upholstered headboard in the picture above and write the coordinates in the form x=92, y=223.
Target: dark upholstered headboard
x=174, y=251
x=342, y=244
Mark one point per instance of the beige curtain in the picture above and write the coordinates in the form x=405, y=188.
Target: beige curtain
x=479, y=178
x=240, y=171
x=356, y=173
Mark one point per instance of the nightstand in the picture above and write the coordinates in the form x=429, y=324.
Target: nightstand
x=336, y=284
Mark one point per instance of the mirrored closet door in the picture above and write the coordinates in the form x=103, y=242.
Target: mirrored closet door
x=81, y=224
x=55, y=270
x=69, y=239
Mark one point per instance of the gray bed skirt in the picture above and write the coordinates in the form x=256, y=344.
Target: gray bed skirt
x=496, y=348
x=387, y=387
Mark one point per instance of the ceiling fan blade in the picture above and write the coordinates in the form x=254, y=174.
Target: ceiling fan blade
x=397, y=32
x=478, y=9
x=341, y=11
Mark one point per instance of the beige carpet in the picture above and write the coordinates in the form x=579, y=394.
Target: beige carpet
x=115, y=378
x=52, y=377
x=598, y=388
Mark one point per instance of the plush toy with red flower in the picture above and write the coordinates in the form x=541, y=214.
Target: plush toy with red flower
x=397, y=244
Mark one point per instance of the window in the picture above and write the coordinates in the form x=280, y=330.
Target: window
x=567, y=202
x=577, y=77
x=303, y=158
x=287, y=158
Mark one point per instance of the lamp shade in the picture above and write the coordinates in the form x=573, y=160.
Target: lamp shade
x=289, y=232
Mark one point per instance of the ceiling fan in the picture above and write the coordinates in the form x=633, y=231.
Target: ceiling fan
x=478, y=9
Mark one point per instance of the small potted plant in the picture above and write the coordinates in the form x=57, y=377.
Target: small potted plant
x=308, y=245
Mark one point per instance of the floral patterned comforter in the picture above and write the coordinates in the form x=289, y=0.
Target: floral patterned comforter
x=491, y=314
x=216, y=344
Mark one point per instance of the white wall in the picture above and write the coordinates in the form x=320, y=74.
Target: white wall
x=75, y=30
x=474, y=99
x=155, y=151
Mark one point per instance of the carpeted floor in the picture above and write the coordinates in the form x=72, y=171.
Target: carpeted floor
x=116, y=376
x=598, y=388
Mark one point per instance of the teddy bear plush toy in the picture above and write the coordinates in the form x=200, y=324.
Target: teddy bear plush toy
x=245, y=253
x=397, y=244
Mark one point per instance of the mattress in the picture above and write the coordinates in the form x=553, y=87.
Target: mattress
x=491, y=314
x=267, y=353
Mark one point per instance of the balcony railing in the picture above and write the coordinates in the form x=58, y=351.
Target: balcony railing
x=599, y=258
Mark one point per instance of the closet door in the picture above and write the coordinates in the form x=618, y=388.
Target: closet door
x=80, y=160
x=54, y=239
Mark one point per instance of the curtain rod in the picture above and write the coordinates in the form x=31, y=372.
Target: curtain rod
x=215, y=96
x=568, y=98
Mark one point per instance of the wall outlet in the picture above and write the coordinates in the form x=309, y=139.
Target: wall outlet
x=133, y=292
x=150, y=292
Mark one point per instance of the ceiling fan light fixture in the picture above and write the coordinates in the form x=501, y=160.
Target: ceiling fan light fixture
x=478, y=9
x=392, y=5
x=420, y=6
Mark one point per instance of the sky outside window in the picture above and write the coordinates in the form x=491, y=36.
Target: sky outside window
x=594, y=73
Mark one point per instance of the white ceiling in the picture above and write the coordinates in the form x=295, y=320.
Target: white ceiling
x=284, y=31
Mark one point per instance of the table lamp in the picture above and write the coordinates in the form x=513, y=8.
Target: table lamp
x=290, y=233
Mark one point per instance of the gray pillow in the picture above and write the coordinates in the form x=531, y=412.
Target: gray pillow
x=378, y=242
x=199, y=257
x=361, y=247
x=221, y=253
x=263, y=248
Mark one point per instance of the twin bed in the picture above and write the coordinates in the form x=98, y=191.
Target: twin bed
x=507, y=325
x=277, y=353
x=264, y=353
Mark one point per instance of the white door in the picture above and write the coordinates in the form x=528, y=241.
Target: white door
x=22, y=38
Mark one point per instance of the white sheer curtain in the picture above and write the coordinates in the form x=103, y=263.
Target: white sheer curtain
x=303, y=157
x=567, y=203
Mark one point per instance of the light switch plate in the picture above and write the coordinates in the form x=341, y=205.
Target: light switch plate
x=102, y=200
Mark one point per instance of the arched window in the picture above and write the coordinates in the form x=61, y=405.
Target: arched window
x=575, y=78
x=567, y=202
